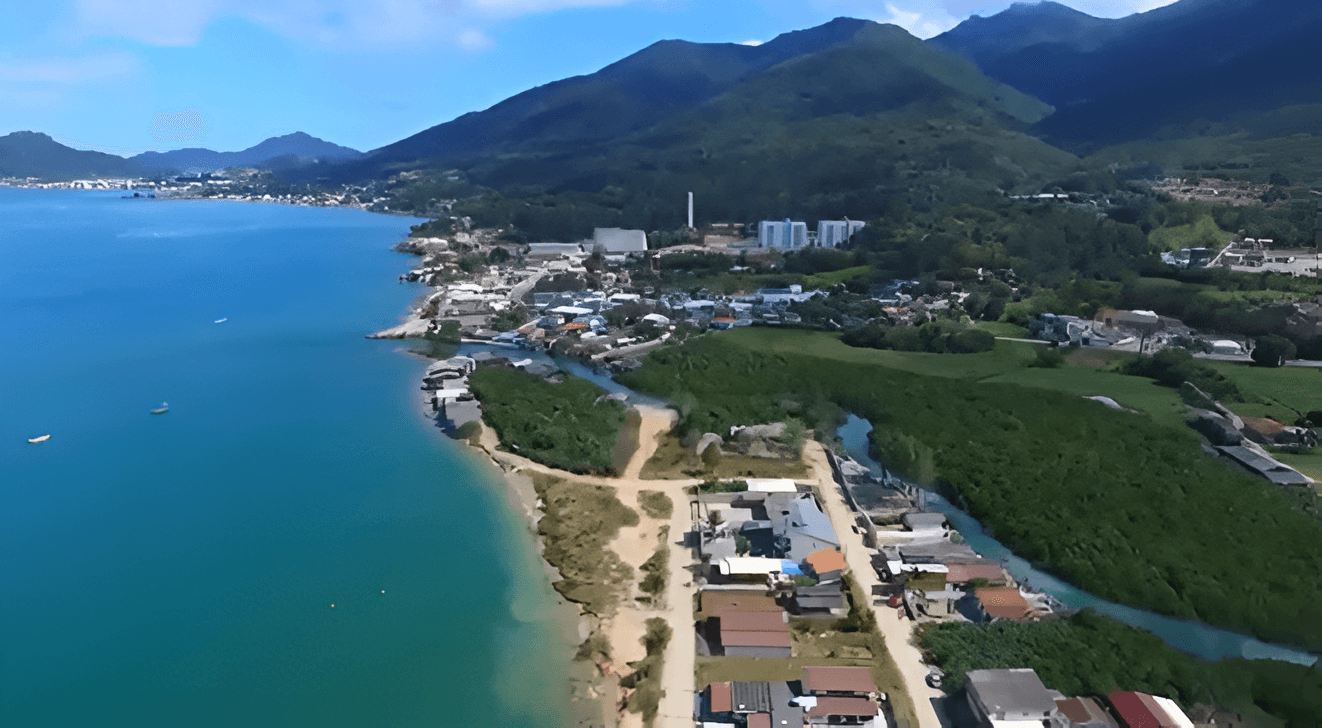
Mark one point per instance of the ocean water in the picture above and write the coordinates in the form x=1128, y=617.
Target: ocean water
x=179, y=570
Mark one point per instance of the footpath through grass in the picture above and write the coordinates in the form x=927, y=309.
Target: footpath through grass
x=1125, y=506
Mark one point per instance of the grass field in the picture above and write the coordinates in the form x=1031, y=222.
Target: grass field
x=1002, y=328
x=1006, y=357
x=580, y=521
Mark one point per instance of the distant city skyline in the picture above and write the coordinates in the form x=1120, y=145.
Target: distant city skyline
x=127, y=76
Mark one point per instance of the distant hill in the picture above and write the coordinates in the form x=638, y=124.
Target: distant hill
x=828, y=120
x=32, y=154
x=1169, y=71
x=279, y=152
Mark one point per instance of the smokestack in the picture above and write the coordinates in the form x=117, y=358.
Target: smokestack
x=690, y=211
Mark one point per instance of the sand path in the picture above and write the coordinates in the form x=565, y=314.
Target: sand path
x=898, y=633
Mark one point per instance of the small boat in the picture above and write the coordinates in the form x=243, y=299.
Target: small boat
x=221, y=320
x=35, y=440
x=165, y=407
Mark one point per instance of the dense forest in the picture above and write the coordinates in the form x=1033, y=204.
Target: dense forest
x=1087, y=654
x=1125, y=508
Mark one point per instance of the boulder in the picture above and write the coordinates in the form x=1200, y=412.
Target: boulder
x=708, y=439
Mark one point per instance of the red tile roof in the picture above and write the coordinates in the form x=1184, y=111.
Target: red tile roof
x=759, y=720
x=844, y=706
x=1081, y=710
x=756, y=639
x=1135, y=712
x=963, y=573
x=721, y=701
x=839, y=680
x=826, y=560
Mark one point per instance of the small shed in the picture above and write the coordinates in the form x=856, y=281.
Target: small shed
x=827, y=564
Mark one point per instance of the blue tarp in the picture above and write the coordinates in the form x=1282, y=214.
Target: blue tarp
x=791, y=568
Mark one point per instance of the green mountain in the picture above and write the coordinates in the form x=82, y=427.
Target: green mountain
x=289, y=150
x=1192, y=67
x=831, y=121
x=31, y=154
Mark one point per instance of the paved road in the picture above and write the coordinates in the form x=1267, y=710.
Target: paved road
x=897, y=633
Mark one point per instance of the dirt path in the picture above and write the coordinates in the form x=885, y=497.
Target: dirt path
x=898, y=633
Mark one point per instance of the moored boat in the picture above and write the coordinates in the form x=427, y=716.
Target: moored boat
x=165, y=407
x=35, y=440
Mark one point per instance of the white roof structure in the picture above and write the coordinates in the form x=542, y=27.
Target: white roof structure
x=1173, y=712
x=572, y=310
x=656, y=318
x=750, y=565
x=771, y=485
x=450, y=393
x=616, y=241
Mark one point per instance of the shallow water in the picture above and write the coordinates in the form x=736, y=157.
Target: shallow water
x=180, y=569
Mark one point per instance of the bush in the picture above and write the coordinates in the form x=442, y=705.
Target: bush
x=1273, y=351
x=1174, y=366
x=656, y=504
x=1048, y=357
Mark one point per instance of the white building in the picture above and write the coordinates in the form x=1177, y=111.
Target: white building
x=617, y=241
x=832, y=233
x=782, y=234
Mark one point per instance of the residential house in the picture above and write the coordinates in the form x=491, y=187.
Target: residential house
x=1306, y=319
x=1085, y=713
x=989, y=573
x=800, y=526
x=1140, y=710
x=1012, y=697
x=755, y=634
x=712, y=603
x=826, y=564
x=839, y=682
x=841, y=696
x=993, y=603
x=821, y=600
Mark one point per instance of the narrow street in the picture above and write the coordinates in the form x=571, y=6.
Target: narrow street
x=898, y=633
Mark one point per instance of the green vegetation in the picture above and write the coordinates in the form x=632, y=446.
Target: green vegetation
x=627, y=443
x=657, y=570
x=646, y=677
x=656, y=504
x=1202, y=233
x=468, y=432
x=1090, y=655
x=937, y=337
x=1173, y=366
x=580, y=521
x=674, y=461
x=728, y=486
x=1124, y=506
x=569, y=426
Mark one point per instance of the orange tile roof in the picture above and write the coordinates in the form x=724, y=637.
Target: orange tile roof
x=1003, y=601
x=759, y=720
x=826, y=560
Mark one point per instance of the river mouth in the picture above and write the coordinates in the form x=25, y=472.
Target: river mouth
x=1194, y=638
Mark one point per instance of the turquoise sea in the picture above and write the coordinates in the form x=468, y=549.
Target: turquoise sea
x=179, y=570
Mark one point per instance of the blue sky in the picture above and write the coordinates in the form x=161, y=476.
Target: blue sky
x=125, y=76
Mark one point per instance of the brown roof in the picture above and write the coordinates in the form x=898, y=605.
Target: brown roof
x=839, y=680
x=1136, y=712
x=826, y=560
x=962, y=573
x=573, y=326
x=768, y=621
x=756, y=639
x=759, y=720
x=721, y=701
x=716, y=602
x=1003, y=601
x=1082, y=710
x=1264, y=425
x=843, y=706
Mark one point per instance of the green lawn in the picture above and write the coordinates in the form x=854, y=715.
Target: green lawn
x=1282, y=391
x=1002, y=328
x=1006, y=357
x=1144, y=395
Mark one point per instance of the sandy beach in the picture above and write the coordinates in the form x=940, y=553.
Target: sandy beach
x=625, y=626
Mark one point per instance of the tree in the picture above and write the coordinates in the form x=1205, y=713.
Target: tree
x=1272, y=351
x=741, y=545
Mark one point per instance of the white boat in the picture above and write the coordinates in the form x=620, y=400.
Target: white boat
x=165, y=407
x=221, y=320
x=35, y=440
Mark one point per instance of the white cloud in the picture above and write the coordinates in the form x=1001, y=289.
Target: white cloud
x=751, y=43
x=475, y=40
x=926, y=18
